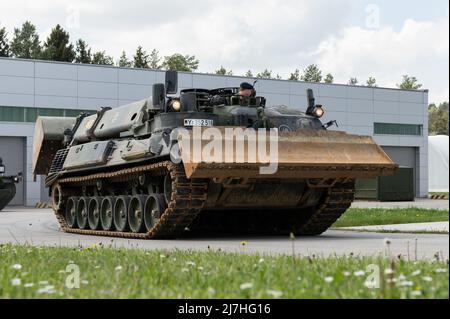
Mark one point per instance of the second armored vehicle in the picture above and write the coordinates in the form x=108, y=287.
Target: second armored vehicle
x=7, y=186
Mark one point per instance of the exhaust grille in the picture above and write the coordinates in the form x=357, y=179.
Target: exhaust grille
x=58, y=161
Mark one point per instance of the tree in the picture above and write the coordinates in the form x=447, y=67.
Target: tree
x=438, y=119
x=124, y=62
x=295, y=76
x=102, y=58
x=371, y=82
x=179, y=62
x=312, y=74
x=155, y=60
x=82, y=52
x=266, y=74
x=329, y=78
x=353, y=81
x=140, y=58
x=409, y=83
x=58, y=46
x=25, y=43
x=223, y=71
x=248, y=74
x=4, y=46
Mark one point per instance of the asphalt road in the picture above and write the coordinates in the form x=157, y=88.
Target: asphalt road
x=39, y=227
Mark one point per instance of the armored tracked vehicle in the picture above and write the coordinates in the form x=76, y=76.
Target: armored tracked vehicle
x=7, y=186
x=171, y=165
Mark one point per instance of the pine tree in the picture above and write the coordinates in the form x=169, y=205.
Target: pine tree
x=353, y=81
x=4, y=46
x=25, y=43
x=179, y=62
x=371, y=82
x=223, y=71
x=248, y=74
x=83, y=52
x=141, y=58
x=295, y=76
x=124, y=62
x=312, y=74
x=409, y=83
x=329, y=78
x=58, y=46
x=266, y=74
x=155, y=60
x=102, y=58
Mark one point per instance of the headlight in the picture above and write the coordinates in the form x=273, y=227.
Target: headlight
x=319, y=111
x=175, y=105
x=2, y=169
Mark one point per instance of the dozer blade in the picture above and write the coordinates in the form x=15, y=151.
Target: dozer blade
x=312, y=154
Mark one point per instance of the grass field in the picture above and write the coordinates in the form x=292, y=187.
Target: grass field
x=33, y=272
x=379, y=216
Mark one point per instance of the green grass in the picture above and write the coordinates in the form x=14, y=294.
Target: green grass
x=120, y=273
x=380, y=216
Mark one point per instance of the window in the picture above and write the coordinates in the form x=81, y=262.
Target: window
x=398, y=129
x=29, y=114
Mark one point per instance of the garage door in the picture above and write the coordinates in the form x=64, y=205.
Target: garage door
x=403, y=156
x=11, y=151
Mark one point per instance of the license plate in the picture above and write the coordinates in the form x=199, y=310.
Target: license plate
x=196, y=122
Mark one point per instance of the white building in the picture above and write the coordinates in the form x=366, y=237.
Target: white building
x=397, y=119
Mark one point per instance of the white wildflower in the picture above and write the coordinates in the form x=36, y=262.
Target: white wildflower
x=190, y=263
x=346, y=273
x=118, y=268
x=261, y=261
x=275, y=293
x=299, y=278
x=85, y=282
x=427, y=278
x=200, y=268
x=329, y=279
x=441, y=270
x=246, y=285
x=405, y=283
x=61, y=271
x=17, y=266
x=28, y=285
x=401, y=277
x=211, y=291
x=162, y=256
x=416, y=273
x=389, y=271
x=185, y=270
x=45, y=282
x=16, y=282
x=359, y=273
x=416, y=293
x=46, y=290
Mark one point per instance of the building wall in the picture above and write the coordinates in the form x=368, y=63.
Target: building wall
x=39, y=87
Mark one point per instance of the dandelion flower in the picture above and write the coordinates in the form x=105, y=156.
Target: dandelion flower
x=17, y=266
x=329, y=279
x=275, y=293
x=16, y=282
x=246, y=285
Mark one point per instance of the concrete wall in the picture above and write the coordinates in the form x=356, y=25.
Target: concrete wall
x=76, y=86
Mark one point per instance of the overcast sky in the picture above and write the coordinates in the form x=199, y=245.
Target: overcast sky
x=348, y=38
